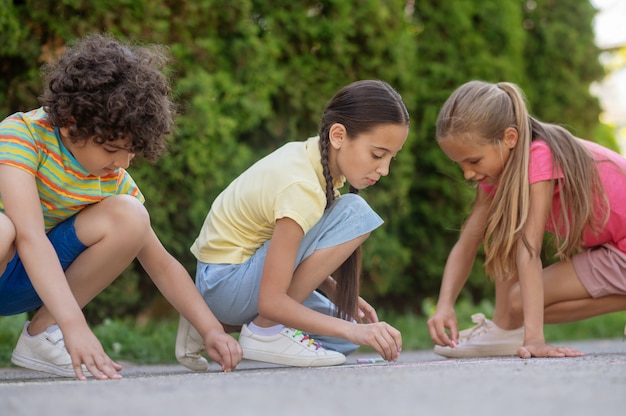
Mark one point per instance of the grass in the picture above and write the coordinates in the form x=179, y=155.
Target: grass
x=153, y=343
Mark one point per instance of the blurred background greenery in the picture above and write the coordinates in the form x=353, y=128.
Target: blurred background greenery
x=250, y=75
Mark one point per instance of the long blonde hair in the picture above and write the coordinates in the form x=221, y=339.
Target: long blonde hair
x=483, y=111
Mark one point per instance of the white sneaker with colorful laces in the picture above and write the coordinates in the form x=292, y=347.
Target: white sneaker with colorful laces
x=289, y=347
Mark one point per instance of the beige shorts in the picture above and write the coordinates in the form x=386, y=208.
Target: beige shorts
x=601, y=270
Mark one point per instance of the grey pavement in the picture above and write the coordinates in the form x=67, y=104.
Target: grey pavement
x=420, y=383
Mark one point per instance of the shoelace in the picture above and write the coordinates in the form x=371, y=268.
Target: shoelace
x=306, y=339
x=480, y=327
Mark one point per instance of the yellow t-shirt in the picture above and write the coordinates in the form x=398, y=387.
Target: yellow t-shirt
x=286, y=183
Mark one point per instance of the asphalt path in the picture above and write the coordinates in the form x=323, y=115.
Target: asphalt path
x=420, y=383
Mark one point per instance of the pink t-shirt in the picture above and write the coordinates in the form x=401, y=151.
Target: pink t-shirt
x=612, y=167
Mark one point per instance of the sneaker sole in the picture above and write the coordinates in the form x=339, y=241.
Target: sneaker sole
x=194, y=362
x=266, y=357
x=37, y=365
x=476, y=352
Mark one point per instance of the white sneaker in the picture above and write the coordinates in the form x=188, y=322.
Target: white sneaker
x=288, y=347
x=44, y=352
x=189, y=347
x=485, y=339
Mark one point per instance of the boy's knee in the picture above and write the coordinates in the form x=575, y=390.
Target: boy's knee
x=127, y=211
x=115, y=215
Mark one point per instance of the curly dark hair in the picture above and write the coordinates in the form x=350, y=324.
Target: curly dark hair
x=104, y=89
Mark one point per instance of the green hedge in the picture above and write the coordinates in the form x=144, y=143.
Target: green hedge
x=250, y=75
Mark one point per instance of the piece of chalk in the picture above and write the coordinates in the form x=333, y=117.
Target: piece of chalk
x=369, y=360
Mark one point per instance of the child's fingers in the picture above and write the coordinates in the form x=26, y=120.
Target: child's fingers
x=389, y=342
x=101, y=368
x=437, y=332
x=235, y=354
x=443, y=331
x=454, y=332
x=570, y=352
x=227, y=353
x=545, y=350
x=367, y=312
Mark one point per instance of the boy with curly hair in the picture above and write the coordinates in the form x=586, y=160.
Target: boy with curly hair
x=72, y=218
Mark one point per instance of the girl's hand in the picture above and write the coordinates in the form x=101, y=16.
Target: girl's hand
x=223, y=349
x=366, y=312
x=541, y=349
x=437, y=325
x=381, y=336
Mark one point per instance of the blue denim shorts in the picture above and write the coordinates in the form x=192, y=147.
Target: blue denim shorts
x=232, y=290
x=17, y=294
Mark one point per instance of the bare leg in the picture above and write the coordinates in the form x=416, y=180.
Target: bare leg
x=114, y=230
x=580, y=309
x=314, y=269
x=565, y=297
x=567, y=300
x=505, y=315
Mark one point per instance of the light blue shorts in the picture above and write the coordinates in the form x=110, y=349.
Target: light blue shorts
x=17, y=294
x=232, y=290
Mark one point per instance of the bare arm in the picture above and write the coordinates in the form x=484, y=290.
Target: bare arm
x=176, y=285
x=529, y=270
x=529, y=264
x=280, y=302
x=457, y=270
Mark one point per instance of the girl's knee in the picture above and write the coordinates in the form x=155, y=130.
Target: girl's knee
x=353, y=200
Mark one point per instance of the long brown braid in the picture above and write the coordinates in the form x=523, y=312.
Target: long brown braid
x=359, y=107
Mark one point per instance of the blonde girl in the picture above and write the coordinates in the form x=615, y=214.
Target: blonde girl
x=531, y=177
x=278, y=254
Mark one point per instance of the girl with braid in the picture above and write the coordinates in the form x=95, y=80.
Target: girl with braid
x=531, y=177
x=278, y=253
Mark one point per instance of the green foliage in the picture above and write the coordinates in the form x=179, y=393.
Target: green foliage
x=250, y=75
x=562, y=63
x=10, y=330
x=152, y=343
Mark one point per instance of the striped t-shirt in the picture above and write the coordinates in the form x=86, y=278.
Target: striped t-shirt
x=29, y=142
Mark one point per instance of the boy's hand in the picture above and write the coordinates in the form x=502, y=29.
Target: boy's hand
x=84, y=348
x=223, y=349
